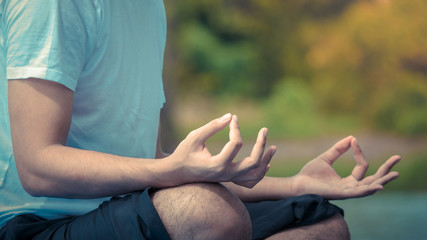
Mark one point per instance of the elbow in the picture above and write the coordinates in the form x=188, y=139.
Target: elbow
x=31, y=190
x=30, y=181
x=31, y=184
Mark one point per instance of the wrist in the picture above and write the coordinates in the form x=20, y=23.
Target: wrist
x=298, y=184
x=293, y=186
x=288, y=187
x=161, y=154
x=165, y=172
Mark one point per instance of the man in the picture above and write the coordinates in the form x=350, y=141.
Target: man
x=84, y=96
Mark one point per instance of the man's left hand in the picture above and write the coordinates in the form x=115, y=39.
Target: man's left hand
x=319, y=177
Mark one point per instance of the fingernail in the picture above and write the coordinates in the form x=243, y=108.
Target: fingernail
x=357, y=144
x=265, y=132
x=273, y=152
x=226, y=116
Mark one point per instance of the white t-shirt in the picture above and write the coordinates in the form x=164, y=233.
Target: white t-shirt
x=110, y=53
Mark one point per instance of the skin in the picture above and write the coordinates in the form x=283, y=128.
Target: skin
x=204, y=211
x=319, y=177
x=40, y=114
x=329, y=229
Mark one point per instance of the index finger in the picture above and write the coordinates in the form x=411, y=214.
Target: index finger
x=201, y=134
x=230, y=150
x=336, y=150
x=360, y=169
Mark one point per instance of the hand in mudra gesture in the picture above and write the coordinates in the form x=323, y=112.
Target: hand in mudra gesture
x=197, y=164
x=319, y=177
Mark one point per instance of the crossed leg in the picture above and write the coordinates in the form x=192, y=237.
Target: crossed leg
x=334, y=228
x=202, y=211
x=211, y=211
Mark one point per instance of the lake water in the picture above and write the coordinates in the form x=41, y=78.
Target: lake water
x=391, y=215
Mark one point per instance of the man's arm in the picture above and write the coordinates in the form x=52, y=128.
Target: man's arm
x=319, y=177
x=40, y=114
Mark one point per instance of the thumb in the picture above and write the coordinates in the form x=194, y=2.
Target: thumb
x=203, y=133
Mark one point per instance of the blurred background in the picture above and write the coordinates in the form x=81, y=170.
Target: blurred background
x=313, y=72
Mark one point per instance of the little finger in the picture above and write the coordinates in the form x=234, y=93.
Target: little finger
x=386, y=179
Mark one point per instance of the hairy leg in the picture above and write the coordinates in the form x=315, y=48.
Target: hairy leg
x=329, y=229
x=202, y=211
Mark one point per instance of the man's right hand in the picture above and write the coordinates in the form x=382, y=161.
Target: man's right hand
x=195, y=163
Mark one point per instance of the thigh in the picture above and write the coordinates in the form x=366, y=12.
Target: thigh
x=129, y=217
x=269, y=217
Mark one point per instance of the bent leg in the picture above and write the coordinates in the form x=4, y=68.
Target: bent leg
x=202, y=211
x=329, y=229
x=130, y=217
x=271, y=217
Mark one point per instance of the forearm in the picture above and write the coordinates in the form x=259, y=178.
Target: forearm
x=60, y=171
x=269, y=188
x=40, y=116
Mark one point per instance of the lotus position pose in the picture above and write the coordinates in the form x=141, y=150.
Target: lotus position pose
x=81, y=92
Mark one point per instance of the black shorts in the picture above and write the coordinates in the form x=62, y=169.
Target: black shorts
x=134, y=217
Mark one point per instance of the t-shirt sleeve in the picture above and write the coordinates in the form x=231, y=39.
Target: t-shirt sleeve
x=47, y=39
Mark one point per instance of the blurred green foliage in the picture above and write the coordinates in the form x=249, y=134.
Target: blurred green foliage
x=306, y=60
x=291, y=109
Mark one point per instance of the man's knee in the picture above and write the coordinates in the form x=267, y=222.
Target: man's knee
x=338, y=227
x=202, y=211
x=333, y=228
